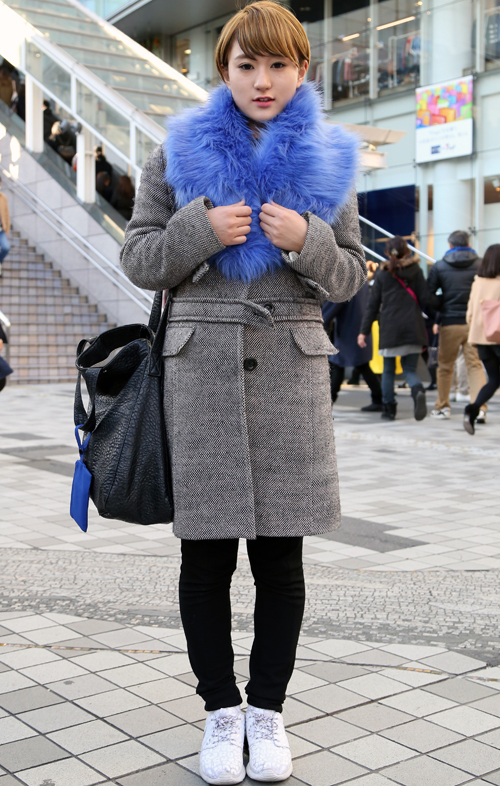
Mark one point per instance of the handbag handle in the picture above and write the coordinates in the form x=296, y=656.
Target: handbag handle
x=157, y=323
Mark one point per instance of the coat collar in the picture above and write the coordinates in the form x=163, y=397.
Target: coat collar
x=299, y=161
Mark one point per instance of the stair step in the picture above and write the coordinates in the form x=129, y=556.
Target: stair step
x=49, y=316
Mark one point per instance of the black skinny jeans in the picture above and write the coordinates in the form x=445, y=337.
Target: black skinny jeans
x=337, y=377
x=490, y=357
x=206, y=571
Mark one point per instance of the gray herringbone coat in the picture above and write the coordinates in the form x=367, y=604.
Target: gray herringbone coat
x=247, y=396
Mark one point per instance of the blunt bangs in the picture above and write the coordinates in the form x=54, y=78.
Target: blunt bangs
x=263, y=28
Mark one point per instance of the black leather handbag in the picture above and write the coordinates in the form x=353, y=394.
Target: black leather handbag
x=124, y=446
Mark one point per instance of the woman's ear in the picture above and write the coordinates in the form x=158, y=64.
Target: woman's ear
x=225, y=75
x=302, y=72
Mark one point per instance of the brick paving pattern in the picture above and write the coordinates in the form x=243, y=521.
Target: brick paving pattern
x=397, y=679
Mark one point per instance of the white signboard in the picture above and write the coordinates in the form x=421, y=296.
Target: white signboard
x=444, y=125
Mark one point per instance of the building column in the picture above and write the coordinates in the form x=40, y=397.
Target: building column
x=85, y=170
x=327, y=49
x=423, y=214
x=34, y=116
x=452, y=204
x=373, y=49
x=453, y=200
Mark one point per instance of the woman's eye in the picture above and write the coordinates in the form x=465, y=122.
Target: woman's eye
x=246, y=66
x=278, y=65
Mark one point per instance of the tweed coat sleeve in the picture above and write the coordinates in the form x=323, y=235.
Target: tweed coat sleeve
x=164, y=245
x=333, y=256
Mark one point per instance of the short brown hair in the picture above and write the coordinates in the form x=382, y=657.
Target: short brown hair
x=489, y=267
x=263, y=27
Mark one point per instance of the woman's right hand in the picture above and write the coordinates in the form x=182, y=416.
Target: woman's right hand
x=361, y=341
x=231, y=223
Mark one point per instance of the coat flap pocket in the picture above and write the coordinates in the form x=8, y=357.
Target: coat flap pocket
x=312, y=340
x=175, y=339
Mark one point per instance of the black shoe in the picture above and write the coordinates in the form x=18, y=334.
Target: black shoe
x=470, y=415
x=420, y=404
x=373, y=407
x=432, y=386
x=389, y=412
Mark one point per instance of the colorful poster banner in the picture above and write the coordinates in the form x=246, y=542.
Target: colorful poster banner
x=444, y=120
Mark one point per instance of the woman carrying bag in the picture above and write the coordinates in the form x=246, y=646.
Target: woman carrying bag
x=486, y=286
x=248, y=215
x=399, y=293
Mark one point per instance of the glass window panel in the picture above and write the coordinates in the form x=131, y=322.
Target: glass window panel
x=491, y=28
x=398, y=45
x=108, y=123
x=144, y=146
x=349, y=55
x=49, y=73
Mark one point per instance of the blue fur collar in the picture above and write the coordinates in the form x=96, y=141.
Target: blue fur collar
x=299, y=161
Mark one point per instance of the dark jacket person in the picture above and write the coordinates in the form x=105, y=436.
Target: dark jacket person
x=454, y=275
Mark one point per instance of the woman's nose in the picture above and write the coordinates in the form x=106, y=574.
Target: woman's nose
x=262, y=79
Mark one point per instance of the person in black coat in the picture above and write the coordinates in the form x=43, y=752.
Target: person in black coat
x=398, y=296
x=453, y=276
x=342, y=323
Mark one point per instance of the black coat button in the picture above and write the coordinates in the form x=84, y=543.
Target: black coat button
x=269, y=307
x=249, y=364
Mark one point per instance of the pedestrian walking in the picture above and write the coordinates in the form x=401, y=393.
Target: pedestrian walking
x=4, y=227
x=343, y=322
x=255, y=182
x=398, y=296
x=5, y=369
x=486, y=286
x=453, y=275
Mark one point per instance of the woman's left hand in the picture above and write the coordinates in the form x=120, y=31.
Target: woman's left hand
x=285, y=228
x=361, y=341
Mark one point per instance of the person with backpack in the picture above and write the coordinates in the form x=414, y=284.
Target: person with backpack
x=248, y=215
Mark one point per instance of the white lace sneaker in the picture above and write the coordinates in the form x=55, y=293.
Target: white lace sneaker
x=270, y=756
x=441, y=414
x=221, y=755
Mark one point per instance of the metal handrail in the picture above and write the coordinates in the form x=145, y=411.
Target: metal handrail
x=388, y=234
x=373, y=253
x=117, y=272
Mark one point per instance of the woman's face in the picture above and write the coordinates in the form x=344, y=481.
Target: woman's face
x=262, y=85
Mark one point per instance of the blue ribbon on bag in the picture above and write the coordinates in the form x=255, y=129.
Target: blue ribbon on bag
x=80, y=490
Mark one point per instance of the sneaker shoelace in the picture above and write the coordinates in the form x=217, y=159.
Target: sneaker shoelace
x=224, y=729
x=265, y=727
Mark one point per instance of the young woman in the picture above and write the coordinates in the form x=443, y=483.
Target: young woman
x=486, y=286
x=248, y=215
x=399, y=293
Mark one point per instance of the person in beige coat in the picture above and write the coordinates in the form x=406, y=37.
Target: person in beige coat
x=4, y=227
x=486, y=286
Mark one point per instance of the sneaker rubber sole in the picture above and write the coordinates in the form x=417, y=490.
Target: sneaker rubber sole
x=420, y=406
x=268, y=776
x=228, y=780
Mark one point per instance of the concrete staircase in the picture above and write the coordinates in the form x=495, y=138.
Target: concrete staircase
x=48, y=316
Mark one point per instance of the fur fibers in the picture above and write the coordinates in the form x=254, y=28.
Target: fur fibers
x=299, y=161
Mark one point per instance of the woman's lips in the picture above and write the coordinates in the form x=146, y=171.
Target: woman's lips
x=263, y=101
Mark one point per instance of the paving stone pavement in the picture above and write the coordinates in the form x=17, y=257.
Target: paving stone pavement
x=397, y=678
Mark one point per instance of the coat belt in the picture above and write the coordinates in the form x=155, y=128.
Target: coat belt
x=244, y=312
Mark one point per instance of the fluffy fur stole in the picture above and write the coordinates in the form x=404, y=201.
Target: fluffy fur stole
x=299, y=161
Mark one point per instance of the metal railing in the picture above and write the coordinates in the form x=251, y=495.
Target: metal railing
x=388, y=234
x=112, y=272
